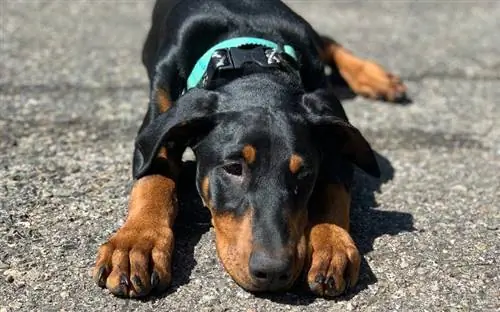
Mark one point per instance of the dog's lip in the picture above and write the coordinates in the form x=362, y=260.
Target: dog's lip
x=254, y=286
x=268, y=288
x=260, y=287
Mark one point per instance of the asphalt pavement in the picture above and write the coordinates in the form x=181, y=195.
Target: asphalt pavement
x=73, y=92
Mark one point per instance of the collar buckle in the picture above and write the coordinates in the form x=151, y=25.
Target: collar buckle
x=234, y=58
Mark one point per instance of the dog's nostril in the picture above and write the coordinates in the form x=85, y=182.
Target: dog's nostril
x=283, y=277
x=260, y=275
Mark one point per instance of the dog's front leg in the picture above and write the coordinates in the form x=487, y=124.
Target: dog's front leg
x=333, y=256
x=137, y=258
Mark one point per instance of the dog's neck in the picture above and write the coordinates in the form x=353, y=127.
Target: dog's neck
x=278, y=76
x=271, y=90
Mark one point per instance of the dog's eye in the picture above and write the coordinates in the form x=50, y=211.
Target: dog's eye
x=235, y=169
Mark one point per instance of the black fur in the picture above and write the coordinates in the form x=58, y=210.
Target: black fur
x=271, y=109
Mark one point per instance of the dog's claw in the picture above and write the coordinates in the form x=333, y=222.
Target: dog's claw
x=137, y=282
x=101, y=277
x=320, y=279
x=155, y=279
x=124, y=280
x=347, y=285
x=402, y=98
x=121, y=289
x=330, y=283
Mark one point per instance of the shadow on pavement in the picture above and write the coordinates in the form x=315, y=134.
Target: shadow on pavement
x=367, y=223
x=192, y=222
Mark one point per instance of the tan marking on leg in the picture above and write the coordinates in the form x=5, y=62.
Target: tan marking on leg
x=146, y=232
x=295, y=163
x=363, y=76
x=249, y=152
x=332, y=204
x=334, y=258
x=153, y=199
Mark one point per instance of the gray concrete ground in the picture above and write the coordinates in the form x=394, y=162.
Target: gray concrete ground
x=73, y=92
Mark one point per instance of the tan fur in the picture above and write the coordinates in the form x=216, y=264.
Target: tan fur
x=163, y=100
x=295, y=163
x=332, y=204
x=147, y=234
x=205, y=183
x=249, y=153
x=363, y=76
x=234, y=245
x=333, y=253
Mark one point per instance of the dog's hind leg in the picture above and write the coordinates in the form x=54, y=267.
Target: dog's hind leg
x=363, y=76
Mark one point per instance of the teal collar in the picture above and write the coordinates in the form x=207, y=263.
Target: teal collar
x=201, y=65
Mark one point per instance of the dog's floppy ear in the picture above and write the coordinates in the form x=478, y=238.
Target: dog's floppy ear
x=330, y=125
x=191, y=118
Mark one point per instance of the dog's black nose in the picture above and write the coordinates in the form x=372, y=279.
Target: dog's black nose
x=270, y=272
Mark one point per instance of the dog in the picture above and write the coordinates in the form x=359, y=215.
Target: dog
x=243, y=84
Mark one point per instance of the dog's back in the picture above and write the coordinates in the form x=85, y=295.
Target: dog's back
x=193, y=26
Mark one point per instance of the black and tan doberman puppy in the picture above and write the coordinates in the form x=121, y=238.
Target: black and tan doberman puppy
x=243, y=84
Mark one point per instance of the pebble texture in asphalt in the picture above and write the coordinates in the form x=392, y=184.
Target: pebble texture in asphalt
x=73, y=92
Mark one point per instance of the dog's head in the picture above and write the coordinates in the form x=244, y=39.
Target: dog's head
x=257, y=167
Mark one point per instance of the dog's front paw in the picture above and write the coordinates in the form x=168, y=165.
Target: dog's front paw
x=335, y=261
x=136, y=260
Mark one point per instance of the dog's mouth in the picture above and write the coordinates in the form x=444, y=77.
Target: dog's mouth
x=255, y=262
x=264, y=283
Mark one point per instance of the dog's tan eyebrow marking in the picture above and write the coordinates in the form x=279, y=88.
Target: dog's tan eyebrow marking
x=249, y=153
x=295, y=163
